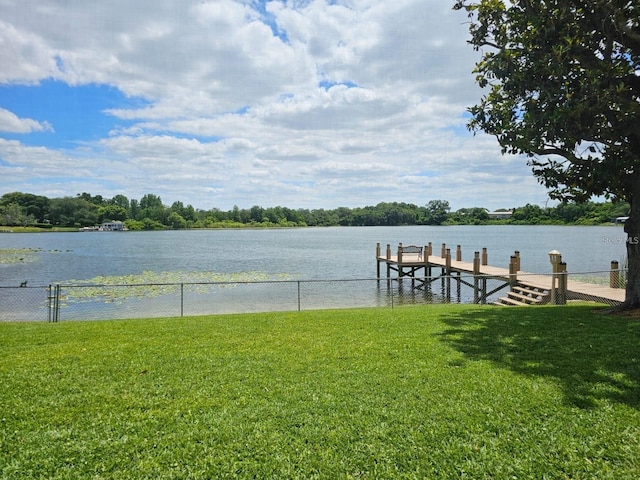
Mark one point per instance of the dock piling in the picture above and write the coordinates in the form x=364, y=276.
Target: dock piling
x=614, y=275
x=513, y=271
x=562, y=272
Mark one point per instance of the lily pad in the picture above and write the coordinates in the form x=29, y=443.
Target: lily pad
x=149, y=284
x=10, y=256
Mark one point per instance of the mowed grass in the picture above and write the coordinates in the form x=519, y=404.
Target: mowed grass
x=434, y=391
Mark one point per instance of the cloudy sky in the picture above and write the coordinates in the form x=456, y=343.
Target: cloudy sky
x=299, y=103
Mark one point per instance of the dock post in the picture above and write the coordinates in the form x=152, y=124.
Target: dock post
x=400, y=269
x=614, y=275
x=427, y=269
x=517, y=255
x=458, y=279
x=378, y=262
x=476, y=273
x=555, y=257
x=427, y=266
x=513, y=269
x=388, y=267
x=448, y=266
x=429, y=249
x=485, y=257
x=443, y=251
x=562, y=283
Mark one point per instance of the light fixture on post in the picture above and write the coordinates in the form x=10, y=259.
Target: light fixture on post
x=555, y=257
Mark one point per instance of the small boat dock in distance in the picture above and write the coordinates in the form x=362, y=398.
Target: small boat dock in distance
x=417, y=263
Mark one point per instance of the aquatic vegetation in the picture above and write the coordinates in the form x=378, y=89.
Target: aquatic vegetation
x=18, y=255
x=148, y=284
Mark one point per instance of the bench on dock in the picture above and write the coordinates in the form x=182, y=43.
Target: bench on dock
x=410, y=249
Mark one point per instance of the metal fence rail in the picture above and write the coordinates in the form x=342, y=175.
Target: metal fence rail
x=61, y=302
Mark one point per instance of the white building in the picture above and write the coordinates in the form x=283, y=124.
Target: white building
x=500, y=215
x=112, y=226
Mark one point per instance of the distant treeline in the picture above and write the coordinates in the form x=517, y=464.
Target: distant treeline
x=149, y=213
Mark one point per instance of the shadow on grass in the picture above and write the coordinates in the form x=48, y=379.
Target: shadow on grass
x=593, y=356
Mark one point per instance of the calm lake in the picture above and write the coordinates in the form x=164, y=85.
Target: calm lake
x=304, y=253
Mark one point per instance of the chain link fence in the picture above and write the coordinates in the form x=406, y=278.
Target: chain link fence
x=61, y=302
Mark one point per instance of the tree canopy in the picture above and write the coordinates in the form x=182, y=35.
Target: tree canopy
x=562, y=80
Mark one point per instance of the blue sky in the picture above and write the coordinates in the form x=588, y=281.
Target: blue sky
x=305, y=104
x=75, y=114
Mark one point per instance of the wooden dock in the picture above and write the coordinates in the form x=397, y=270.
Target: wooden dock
x=417, y=264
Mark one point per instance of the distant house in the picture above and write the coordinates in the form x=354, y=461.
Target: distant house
x=500, y=215
x=112, y=226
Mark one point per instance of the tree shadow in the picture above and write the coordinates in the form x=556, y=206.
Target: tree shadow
x=593, y=356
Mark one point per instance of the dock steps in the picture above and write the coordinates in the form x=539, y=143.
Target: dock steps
x=522, y=295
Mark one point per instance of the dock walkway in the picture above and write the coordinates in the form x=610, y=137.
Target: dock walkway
x=412, y=263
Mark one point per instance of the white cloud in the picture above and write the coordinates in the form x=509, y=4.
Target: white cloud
x=348, y=103
x=11, y=123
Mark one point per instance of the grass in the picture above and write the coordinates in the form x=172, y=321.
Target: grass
x=414, y=392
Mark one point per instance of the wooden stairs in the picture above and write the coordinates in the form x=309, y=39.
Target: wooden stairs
x=523, y=294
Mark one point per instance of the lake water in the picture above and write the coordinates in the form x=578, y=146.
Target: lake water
x=304, y=253
x=179, y=273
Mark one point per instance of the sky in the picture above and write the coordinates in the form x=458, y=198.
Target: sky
x=297, y=103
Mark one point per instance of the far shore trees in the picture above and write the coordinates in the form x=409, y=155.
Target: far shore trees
x=150, y=213
x=563, y=88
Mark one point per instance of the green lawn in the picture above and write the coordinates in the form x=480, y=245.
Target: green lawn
x=451, y=391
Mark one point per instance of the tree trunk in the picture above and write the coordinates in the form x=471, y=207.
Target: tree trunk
x=632, y=228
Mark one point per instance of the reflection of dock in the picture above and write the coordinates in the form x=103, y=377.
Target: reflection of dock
x=419, y=266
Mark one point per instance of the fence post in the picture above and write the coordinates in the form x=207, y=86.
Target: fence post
x=181, y=300
x=58, y=304
x=55, y=298
x=50, y=299
x=391, y=293
x=298, y=295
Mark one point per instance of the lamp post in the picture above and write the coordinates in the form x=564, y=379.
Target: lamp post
x=555, y=257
